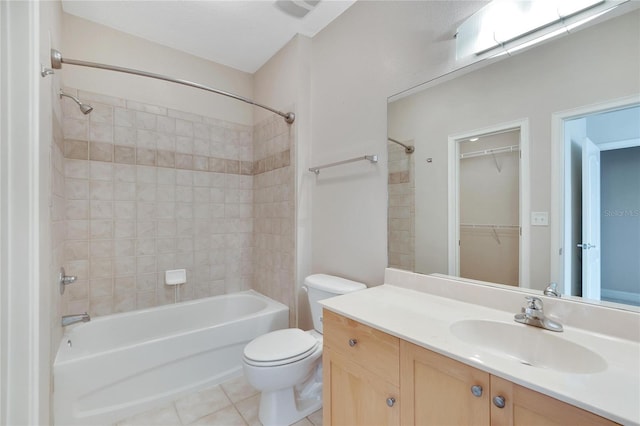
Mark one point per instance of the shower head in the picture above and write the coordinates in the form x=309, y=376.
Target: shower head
x=85, y=108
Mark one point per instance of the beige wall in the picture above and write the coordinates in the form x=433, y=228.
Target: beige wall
x=373, y=50
x=84, y=40
x=562, y=75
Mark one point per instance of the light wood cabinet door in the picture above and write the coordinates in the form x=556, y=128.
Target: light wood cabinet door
x=353, y=395
x=437, y=390
x=524, y=407
x=373, y=349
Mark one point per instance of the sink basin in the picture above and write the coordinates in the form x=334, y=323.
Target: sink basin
x=529, y=345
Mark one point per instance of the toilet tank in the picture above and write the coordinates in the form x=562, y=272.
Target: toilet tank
x=322, y=286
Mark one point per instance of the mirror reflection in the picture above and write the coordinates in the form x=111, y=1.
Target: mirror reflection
x=517, y=217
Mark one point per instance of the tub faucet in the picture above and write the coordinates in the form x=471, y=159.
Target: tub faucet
x=533, y=314
x=72, y=319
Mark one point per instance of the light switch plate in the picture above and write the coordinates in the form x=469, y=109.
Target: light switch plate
x=539, y=218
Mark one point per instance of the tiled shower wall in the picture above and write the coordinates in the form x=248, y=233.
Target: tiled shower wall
x=150, y=188
x=401, y=226
x=57, y=218
x=274, y=205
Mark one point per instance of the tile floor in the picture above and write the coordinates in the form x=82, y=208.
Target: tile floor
x=232, y=403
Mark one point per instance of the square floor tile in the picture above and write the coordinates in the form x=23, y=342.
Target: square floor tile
x=238, y=389
x=226, y=417
x=200, y=404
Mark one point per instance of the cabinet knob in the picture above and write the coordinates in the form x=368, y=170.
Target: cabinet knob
x=391, y=401
x=476, y=390
x=352, y=342
x=498, y=401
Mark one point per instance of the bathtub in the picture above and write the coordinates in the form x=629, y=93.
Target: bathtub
x=118, y=365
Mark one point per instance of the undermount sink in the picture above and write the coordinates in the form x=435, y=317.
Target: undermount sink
x=529, y=345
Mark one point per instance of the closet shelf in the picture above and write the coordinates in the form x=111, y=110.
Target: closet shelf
x=493, y=228
x=488, y=226
x=506, y=149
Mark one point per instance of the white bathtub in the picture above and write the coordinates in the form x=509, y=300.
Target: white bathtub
x=118, y=365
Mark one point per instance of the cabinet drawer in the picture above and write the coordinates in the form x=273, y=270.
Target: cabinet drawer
x=372, y=349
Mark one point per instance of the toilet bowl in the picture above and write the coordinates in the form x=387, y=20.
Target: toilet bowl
x=285, y=365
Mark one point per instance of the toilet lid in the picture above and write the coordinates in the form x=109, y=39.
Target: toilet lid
x=281, y=346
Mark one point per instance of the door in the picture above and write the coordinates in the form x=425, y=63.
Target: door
x=590, y=220
x=524, y=407
x=353, y=395
x=437, y=390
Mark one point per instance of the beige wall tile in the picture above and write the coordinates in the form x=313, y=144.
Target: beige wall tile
x=100, y=132
x=76, y=149
x=124, y=136
x=75, y=129
x=124, y=154
x=100, y=151
x=166, y=159
x=146, y=157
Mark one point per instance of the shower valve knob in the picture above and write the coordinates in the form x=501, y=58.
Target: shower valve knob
x=64, y=280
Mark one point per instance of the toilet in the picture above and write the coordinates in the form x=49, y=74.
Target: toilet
x=286, y=365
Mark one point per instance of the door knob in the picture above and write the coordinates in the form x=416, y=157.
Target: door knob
x=586, y=246
x=476, y=390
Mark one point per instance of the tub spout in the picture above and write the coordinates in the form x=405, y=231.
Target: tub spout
x=72, y=319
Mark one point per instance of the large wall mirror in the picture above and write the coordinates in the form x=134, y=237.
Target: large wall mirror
x=526, y=170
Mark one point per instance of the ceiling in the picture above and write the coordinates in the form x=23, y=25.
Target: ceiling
x=242, y=34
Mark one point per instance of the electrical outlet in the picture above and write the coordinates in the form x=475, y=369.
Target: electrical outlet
x=539, y=218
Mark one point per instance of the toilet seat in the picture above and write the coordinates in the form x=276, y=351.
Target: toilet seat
x=280, y=347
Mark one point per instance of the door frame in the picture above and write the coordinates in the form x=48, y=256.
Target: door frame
x=560, y=267
x=24, y=319
x=524, y=196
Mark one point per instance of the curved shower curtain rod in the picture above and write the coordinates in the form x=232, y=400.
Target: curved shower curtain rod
x=57, y=60
x=407, y=148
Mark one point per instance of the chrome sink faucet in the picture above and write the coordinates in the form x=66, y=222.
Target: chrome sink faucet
x=72, y=319
x=533, y=314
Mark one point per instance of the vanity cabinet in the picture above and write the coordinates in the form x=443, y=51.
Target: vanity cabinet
x=437, y=390
x=373, y=378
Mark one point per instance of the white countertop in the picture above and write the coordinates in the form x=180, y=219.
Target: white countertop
x=425, y=319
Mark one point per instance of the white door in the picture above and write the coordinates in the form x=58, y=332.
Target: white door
x=590, y=220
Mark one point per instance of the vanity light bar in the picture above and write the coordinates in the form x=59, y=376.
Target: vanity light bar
x=528, y=22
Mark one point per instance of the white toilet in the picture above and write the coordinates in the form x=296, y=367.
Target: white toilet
x=285, y=365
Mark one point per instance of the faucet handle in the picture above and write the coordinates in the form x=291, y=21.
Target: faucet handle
x=552, y=290
x=534, y=303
